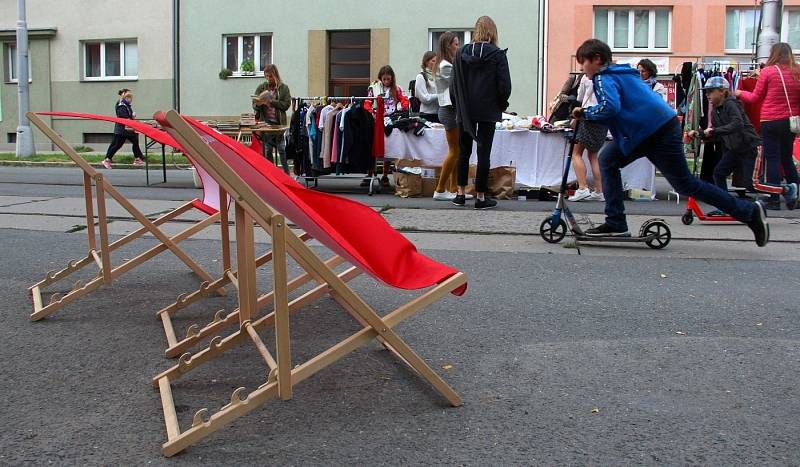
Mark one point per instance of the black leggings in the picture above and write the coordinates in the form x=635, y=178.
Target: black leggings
x=119, y=140
x=485, y=135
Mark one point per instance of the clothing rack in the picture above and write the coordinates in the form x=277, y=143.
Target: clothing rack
x=374, y=180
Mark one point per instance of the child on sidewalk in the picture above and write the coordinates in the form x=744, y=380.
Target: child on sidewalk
x=622, y=101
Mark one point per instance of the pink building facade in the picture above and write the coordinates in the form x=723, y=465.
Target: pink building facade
x=667, y=32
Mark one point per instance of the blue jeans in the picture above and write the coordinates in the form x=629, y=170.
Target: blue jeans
x=664, y=149
x=777, y=148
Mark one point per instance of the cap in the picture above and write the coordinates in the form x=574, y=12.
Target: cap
x=717, y=82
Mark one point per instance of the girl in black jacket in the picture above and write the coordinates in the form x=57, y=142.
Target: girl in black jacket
x=124, y=109
x=481, y=86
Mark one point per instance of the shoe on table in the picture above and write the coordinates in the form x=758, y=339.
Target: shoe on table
x=605, y=230
x=758, y=224
x=580, y=195
x=486, y=203
x=790, y=195
x=444, y=196
x=596, y=196
x=138, y=161
x=107, y=163
x=459, y=200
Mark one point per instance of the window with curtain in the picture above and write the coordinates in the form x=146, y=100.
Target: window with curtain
x=112, y=59
x=11, y=64
x=629, y=29
x=741, y=25
x=237, y=49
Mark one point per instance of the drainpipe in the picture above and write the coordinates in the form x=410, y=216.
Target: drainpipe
x=176, y=55
x=770, y=32
x=24, y=136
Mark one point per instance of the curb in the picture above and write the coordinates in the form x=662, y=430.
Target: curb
x=96, y=165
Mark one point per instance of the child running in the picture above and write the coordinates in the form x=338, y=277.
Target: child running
x=622, y=100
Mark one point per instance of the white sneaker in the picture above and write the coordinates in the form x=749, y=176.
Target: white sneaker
x=596, y=196
x=444, y=196
x=580, y=195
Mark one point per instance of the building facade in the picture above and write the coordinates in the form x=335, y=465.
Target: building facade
x=336, y=48
x=669, y=32
x=81, y=53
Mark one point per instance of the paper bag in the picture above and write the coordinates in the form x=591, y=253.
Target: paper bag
x=501, y=182
x=407, y=185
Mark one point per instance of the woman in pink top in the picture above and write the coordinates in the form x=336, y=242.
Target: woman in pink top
x=775, y=112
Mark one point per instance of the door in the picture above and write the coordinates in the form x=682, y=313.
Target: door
x=349, y=60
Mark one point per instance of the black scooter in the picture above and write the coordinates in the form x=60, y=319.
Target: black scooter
x=654, y=232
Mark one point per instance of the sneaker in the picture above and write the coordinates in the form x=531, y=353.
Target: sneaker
x=605, y=230
x=597, y=196
x=487, y=203
x=790, y=195
x=138, y=161
x=580, y=195
x=107, y=163
x=444, y=196
x=758, y=224
x=459, y=200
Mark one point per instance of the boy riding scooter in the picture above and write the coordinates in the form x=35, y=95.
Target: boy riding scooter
x=643, y=125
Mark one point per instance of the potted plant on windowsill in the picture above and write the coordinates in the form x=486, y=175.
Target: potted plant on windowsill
x=248, y=68
x=225, y=73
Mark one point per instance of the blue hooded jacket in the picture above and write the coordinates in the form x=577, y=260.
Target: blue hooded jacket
x=630, y=109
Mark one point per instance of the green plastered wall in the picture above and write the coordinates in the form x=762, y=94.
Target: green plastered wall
x=204, y=22
x=39, y=88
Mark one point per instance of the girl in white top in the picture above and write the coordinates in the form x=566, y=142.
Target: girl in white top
x=590, y=138
x=425, y=89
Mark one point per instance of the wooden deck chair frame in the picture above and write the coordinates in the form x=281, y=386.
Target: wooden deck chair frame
x=281, y=374
x=95, y=189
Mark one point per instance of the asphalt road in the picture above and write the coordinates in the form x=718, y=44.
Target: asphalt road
x=559, y=359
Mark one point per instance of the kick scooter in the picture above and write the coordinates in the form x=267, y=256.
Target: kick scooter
x=654, y=233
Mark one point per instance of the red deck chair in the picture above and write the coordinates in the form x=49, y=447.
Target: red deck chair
x=96, y=187
x=355, y=232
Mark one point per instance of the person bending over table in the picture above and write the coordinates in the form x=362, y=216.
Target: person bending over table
x=270, y=102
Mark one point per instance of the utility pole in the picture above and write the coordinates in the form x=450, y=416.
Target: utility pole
x=770, y=32
x=25, y=146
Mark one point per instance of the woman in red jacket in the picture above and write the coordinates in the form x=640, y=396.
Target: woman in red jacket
x=778, y=89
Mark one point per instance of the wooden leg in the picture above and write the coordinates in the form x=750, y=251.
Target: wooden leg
x=281, y=307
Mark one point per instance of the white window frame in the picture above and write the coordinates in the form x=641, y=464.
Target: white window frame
x=748, y=48
x=103, y=77
x=467, y=36
x=651, y=30
x=785, y=21
x=240, y=52
x=12, y=57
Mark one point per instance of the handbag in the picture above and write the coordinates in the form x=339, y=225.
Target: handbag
x=794, y=120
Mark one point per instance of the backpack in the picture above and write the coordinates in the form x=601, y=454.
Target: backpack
x=413, y=101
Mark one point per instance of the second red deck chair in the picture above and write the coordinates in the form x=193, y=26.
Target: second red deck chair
x=354, y=232
x=96, y=189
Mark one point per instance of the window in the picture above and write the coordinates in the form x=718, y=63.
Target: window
x=12, y=138
x=117, y=59
x=254, y=47
x=11, y=63
x=464, y=36
x=634, y=29
x=790, y=29
x=348, y=62
x=740, y=29
x=97, y=138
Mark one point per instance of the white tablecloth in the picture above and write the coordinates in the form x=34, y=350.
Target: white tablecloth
x=538, y=157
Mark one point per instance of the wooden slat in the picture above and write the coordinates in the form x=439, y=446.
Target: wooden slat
x=103, y=223
x=36, y=294
x=97, y=259
x=281, y=307
x=262, y=349
x=170, y=417
x=88, y=199
x=169, y=331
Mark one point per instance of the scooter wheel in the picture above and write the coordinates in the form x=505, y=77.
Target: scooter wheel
x=660, y=232
x=551, y=233
x=687, y=218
